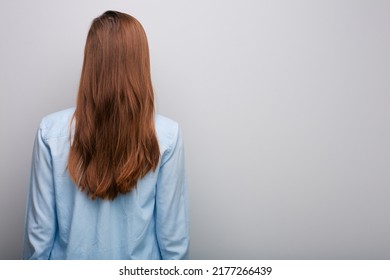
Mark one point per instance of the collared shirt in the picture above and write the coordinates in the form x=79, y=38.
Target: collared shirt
x=62, y=222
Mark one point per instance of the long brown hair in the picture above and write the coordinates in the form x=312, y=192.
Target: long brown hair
x=114, y=142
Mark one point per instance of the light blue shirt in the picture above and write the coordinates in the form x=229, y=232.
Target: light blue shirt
x=150, y=222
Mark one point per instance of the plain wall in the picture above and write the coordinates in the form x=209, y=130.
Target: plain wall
x=284, y=108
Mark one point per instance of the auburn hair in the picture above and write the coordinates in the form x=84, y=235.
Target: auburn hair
x=114, y=142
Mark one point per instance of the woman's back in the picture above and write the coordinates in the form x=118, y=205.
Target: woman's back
x=150, y=222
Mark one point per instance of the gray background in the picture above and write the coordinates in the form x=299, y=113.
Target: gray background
x=284, y=107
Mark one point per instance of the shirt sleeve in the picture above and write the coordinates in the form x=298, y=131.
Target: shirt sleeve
x=172, y=222
x=40, y=221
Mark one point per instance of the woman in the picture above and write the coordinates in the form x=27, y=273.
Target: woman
x=107, y=178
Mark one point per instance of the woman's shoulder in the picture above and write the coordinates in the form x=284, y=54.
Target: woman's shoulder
x=57, y=124
x=167, y=130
